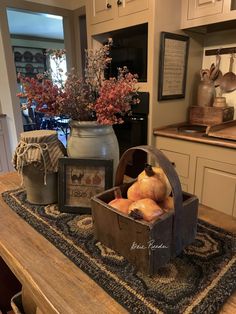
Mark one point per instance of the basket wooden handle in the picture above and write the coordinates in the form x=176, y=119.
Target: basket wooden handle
x=171, y=174
x=164, y=163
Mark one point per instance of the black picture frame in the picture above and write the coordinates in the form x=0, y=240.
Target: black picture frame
x=174, y=49
x=79, y=180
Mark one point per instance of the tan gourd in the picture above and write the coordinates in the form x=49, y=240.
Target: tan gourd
x=158, y=173
x=133, y=192
x=153, y=183
x=145, y=209
x=167, y=203
x=120, y=203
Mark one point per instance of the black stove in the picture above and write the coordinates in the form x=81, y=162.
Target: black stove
x=133, y=132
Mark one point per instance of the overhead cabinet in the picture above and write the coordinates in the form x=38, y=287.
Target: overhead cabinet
x=131, y=6
x=200, y=8
x=205, y=12
x=105, y=10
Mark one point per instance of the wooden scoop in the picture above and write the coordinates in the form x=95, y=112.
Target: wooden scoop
x=228, y=81
x=217, y=75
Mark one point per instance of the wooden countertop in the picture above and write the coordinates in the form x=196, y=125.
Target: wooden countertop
x=200, y=137
x=56, y=284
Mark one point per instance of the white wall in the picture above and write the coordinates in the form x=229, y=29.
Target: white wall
x=222, y=39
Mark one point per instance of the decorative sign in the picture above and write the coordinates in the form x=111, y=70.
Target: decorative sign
x=80, y=179
x=173, y=66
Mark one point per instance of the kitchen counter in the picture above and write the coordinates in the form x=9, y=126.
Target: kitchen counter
x=174, y=131
x=206, y=165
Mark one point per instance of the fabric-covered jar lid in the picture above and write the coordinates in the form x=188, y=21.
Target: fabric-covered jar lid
x=40, y=148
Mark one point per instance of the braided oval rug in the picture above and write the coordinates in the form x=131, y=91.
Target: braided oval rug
x=197, y=281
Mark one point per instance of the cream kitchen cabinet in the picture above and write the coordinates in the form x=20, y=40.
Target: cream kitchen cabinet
x=105, y=10
x=205, y=170
x=128, y=7
x=179, y=155
x=216, y=185
x=201, y=8
x=102, y=10
x=205, y=12
x=5, y=158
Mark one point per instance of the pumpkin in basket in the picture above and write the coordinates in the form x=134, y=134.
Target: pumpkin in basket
x=152, y=183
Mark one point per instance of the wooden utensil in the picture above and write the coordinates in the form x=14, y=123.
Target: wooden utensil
x=228, y=81
x=217, y=75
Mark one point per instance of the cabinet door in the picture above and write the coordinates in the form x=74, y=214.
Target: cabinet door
x=181, y=164
x=126, y=7
x=102, y=10
x=216, y=185
x=200, y=8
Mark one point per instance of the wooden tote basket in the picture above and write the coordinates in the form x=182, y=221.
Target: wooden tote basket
x=148, y=246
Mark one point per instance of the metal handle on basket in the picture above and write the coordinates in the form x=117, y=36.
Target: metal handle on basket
x=171, y=174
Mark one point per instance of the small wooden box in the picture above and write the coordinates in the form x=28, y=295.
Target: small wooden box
x=148, y=246
x=210, y=115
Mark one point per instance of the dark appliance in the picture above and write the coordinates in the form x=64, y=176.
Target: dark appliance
x=133, y=132
x=129, y=49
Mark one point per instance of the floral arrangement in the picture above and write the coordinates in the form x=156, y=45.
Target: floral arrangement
x=58, y=56
x=90, y=98
x=40, y=92
x=44, y=90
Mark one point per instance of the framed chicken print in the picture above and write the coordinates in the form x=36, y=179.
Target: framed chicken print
x=79, y=180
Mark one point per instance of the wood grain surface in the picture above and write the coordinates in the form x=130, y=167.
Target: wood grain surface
x=226, y=130
x=56, y=285
x=210, y=115
x=173, y=132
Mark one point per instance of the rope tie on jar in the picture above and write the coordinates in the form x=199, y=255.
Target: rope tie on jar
x=22, y=150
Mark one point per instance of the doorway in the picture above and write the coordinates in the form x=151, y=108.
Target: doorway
x=33, y=36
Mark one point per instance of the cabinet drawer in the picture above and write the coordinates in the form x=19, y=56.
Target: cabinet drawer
x=180, y=162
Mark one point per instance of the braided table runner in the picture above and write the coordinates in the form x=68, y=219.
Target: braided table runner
x=197, y=281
